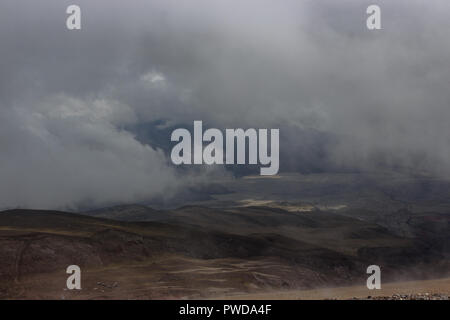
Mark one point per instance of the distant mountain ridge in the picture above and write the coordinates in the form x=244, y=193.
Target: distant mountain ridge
x=132, y=212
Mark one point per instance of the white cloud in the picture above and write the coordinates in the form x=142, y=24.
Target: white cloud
x=69, y=152
x=154, y=79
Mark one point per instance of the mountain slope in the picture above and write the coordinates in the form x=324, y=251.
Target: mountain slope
x=196, y=252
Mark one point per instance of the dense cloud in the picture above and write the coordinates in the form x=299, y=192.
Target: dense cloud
x=347, y=97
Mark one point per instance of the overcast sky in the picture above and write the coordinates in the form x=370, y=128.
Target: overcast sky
x=308, y=66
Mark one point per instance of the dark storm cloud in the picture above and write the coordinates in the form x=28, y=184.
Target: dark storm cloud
x=376, y=98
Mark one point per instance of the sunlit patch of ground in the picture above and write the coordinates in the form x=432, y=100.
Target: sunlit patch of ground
x=275, y=204
x=287, y=206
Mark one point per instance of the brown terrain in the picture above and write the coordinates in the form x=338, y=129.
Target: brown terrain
x=196, y=252
x=436, y=289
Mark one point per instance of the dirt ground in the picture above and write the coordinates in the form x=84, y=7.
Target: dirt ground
x=441, y=286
